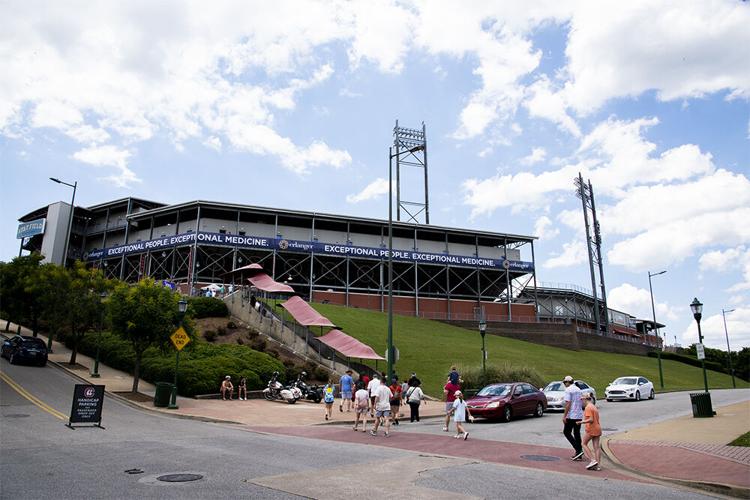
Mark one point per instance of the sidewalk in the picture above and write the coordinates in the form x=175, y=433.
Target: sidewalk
x=690, y=450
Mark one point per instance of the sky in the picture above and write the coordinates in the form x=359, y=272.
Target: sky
x=291, y=104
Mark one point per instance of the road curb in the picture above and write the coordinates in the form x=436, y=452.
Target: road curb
x=137, y=406
x=720, y=488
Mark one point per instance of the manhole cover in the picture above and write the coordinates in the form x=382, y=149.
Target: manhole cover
x=15, y=415
x=179, y=478
x=540, y=458
x=609, y=429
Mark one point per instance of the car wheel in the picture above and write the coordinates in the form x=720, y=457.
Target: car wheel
x=637, y=395
x=507, y=413
x=609, y=400
x=652, y=395
x=539, y=410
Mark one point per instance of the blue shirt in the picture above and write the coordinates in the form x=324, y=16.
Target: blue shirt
x=346, y=383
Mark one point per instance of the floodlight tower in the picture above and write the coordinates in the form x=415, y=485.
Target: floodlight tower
x=410, y=150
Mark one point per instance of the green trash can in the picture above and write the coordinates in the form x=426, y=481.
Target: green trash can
x=163, y=394
x=701, y=404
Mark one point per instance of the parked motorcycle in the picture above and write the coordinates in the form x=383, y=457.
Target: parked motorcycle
x=310, y=392
x=276, y=391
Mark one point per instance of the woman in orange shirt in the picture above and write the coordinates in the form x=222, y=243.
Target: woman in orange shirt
x=593, y=432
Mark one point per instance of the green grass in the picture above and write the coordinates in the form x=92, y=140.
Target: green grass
x=743, y=440
x=431, y=347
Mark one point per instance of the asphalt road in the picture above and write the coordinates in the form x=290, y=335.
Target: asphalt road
x=617, y=416
x=40, y=457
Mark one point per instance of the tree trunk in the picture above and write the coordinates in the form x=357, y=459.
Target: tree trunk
x=7, y=326
x=137, y=370
x=74, y=350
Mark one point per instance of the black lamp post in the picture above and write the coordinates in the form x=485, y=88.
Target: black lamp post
x=653, y=311
x=697, y=309
x=482, y=331
x=95, y=373
x=182, y=308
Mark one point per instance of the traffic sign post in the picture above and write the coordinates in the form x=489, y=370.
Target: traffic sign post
x=179, y=339
x=700, y=351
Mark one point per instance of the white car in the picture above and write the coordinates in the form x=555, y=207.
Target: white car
x=556, y=390
x=632, y=388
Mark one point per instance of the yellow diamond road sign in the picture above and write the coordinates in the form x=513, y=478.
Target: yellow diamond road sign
x=180, y=338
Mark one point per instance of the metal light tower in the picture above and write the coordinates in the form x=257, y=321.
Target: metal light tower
x=410, y=147
x=653, y=311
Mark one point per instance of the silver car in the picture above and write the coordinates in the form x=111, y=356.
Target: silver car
x=556, y=390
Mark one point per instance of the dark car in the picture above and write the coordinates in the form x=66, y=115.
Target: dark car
x=21, y=348
x=508, y=400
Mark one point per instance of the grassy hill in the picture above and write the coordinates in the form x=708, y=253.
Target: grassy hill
x=430, y=347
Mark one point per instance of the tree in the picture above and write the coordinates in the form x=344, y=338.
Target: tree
x=17, y=302
x=145, y=314
x=52, y=285
x=85, y=307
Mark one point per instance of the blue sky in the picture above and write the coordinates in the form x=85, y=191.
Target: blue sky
x=226, y=102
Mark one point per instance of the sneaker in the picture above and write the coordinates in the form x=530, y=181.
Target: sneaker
x=341, y=409
x=457, y=436
x=592, y=465
x=354, y=429
x=466, y=436
x=445, y=429
x=578, y=456
x=395, y=422
x=326, y=416
x=597, y=468
x=373, y=433
x=386, y=434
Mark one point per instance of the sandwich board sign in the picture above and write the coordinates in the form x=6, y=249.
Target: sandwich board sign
x=88, y=401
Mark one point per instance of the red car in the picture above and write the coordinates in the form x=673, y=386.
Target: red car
x=508, y=400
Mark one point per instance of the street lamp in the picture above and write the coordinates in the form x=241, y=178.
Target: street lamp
x=95, y=373
x=729, y=352
x=182, y=308
x=390, y=358
x=697, y=309
x=653, y=311
x=482, y=331
x=70, y=218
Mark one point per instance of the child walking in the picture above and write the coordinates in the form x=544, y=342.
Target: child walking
x=460, y=411
x=593, y=432
x=361, y=406
x=328, y=398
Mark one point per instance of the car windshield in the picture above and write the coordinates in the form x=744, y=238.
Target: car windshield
x=495, y=390
x=39, y=344
x=625, y=381
x=555, y=386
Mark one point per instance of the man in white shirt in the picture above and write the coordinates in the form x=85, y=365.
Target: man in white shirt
x=572, y=417
x=383, y=397
x=372, y=386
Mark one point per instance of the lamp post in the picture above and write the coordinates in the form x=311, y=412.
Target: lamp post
x=729, y=352
x=182, y=307
x=697, y=309
x=95, y=373
x=482, y=331
x=653, y=311
x=70, y=218
x=389, y=341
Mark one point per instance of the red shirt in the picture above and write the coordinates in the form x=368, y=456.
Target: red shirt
x=396, y=390
x=451, y=388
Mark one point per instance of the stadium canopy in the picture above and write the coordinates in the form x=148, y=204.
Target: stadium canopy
x=245, y=270
x=264, y=282
x=348, y=346
x=304, y=314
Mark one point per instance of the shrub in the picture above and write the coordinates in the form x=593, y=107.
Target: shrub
x=273, y=353
x=207, y=307
x=231, y=325
x=210, y=335
x=252, y=334
x=240, y=341
x=710, y=365
x=473, y=378
x=258, y=344
x=221, y=331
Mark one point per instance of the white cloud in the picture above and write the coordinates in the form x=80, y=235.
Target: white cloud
x=637, y=301
x=536, y=155
x=718, y=260
x=372, y=191
x=109, y=156
x=543, y=102
x=573, y=253
x=712, y=327
x=544, y=229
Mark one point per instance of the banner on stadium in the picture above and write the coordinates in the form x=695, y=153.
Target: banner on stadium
x=317, y=247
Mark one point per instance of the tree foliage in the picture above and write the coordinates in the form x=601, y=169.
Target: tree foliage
x=18, y=302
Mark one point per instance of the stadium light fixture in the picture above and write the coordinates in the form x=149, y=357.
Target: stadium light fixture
x=658, y=337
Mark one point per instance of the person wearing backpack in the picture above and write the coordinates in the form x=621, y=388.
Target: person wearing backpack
x=328, y=398
x=414, y=397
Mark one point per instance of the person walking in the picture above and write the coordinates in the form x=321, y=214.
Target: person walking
x=242, y=389
x=227, y=388
x=449, y=391
x=593, y=432
x=414, y=397
x=460, y=411
x=383, y=397
x=372, y=386
x=572, y=416
x=454, y=376
x=395, y=399
x=346, y=383
x=361, y=406
x=328, y=398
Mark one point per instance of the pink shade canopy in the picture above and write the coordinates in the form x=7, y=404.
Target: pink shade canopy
x=304, y=314
x=348, y=346
x=264, y=282
x=245, y=269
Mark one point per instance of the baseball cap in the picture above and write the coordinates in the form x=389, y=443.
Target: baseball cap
x=568, y=378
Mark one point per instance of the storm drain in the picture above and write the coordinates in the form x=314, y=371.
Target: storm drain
x=179, y=478
x=540, y=458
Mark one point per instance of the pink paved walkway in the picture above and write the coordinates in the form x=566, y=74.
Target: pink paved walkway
x=445, y=444
x=677, y=462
